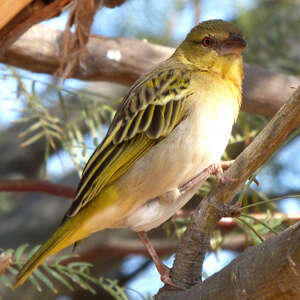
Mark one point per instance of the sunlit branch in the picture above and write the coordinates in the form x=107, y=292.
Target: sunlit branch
x=123, y=60
x=195, y=242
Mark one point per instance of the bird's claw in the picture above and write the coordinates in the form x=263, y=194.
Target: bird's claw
x=218, y=170
x=165, y=277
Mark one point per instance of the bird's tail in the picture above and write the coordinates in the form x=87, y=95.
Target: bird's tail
x=103, y=212
x=61, y=239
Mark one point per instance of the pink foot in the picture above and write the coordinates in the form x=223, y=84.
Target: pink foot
x=218, y=170
x=162, y=269
x=214, y=169
x=164, y=272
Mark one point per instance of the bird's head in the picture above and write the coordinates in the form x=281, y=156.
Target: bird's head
x=213, y=46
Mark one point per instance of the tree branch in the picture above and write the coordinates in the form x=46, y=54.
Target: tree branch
x=46, y=187
x=195, y=242
x=22, y=19
x=229, y=223
x=123, y=60
x=41, y=186
x=16, y=17
x=267, y=271
x=285, y=218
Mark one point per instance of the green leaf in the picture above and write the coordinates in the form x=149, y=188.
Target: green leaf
x=257, y=237
x=5, y=281
x=58, y=277
x=45, y=280
x=79, y=264
x=33, y=250
x=19, y=253
x=77, y=279
x=9, y=251
x=54, y=127
x=30, y=129
x=12, y=270
x=35, y=282
x=113, y=289
x=55, y=134
x=260, y=222
x=32, y=139
x=64, y=257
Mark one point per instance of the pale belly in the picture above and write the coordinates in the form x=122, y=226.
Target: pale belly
x=194, y=144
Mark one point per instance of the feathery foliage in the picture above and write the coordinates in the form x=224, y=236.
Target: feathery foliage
x=60, y=271
x=64, y=122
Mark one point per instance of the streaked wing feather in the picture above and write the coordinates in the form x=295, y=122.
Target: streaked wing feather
x=150, y=111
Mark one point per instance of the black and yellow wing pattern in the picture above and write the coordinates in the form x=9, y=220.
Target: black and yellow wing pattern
x=150, y=111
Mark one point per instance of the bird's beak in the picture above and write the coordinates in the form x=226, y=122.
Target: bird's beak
x=232, y=45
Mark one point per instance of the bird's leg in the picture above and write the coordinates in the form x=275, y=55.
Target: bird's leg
x=170, y=196
x=218, y=170
x=162, y=269
x=214, y=169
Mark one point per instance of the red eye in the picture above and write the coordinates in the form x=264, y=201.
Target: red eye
x=207, y=41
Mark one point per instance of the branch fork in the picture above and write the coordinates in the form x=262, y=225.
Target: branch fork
x=187, y=268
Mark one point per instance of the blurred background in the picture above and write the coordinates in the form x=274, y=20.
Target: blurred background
x=69, y=119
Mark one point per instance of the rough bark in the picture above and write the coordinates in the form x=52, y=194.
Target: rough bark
x=267, y=271
x=25, y=16
x=122, y=60
x=16, y=17
x=186, y=271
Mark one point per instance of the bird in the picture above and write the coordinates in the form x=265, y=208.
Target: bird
x=169, y=133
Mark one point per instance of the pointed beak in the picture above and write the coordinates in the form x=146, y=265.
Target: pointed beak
x=232, y=45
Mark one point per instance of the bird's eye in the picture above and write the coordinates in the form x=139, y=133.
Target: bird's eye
x=207, y=41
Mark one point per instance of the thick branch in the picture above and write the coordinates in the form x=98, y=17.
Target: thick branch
x=16, y=17
x=268, y=271
x=22, y=19
x=195, y=242
x=123, y=60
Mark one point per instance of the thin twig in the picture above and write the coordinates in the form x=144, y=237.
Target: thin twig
x=46, y=187
x=40, y=186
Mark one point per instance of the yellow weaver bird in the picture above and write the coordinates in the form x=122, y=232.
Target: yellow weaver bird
x=167, y=136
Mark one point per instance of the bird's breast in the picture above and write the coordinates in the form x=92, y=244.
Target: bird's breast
x=197, y=142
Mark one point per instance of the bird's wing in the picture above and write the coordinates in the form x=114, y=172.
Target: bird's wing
x=150, y=111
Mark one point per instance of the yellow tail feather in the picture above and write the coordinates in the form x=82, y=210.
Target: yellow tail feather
x=61, y=239
x=99, y=214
